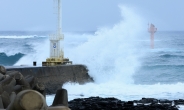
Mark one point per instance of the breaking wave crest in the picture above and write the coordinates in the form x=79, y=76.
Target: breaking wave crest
x=9, y=60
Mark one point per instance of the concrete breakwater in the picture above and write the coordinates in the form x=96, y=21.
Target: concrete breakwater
x=53, y=77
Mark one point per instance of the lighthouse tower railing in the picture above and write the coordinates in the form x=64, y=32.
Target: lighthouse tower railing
x=56, y=53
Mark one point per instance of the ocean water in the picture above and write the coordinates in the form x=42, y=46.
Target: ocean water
x=119, y=59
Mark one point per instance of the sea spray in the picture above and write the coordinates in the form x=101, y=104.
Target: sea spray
x=112, y=51
x=112, y=57
x=39, y=54
x=126, y=92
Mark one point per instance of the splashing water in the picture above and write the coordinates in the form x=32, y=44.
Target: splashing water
x=112, y=56
x=39, y=54
x=112, y=53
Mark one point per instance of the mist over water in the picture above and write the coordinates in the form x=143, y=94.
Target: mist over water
x=39, y=53
x=114, y=57
x=111, y=52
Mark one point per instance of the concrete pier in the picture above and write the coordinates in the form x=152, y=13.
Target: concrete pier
x=53, y=77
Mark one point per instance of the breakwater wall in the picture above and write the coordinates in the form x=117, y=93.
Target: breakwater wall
x=53, y=77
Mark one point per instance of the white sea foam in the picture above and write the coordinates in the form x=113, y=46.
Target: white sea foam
x=124, y=92
x=112, y=56
x=39, y=54
x=20, y=36
x=111, y=51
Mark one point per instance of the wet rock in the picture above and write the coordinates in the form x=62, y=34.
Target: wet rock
x=2, y=70
x=98, y=103
x=147, y=101
x=1, y=103
x=179, y=102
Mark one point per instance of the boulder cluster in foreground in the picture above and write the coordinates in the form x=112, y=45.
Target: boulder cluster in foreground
x=98, y=103
x=27, y=93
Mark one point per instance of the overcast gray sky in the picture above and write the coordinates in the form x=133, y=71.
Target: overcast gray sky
x=87, y=15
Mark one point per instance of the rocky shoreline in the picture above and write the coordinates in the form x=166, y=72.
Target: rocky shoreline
x=98, y=103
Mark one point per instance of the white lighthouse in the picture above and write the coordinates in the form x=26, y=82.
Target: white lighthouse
x=56, y=53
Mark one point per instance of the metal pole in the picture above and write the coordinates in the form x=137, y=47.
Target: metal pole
x=59, y=18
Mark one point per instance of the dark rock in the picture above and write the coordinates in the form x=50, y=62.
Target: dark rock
x=165, y=101
x=2, y=70
x=97, y=103
x=147, y=100
x=179, y=102
x=5, y=99
x=1, y=102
